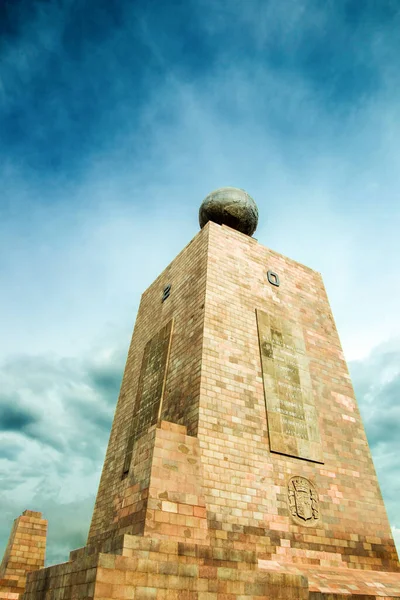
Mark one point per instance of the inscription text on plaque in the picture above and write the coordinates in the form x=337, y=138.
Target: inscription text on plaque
x=291, y=413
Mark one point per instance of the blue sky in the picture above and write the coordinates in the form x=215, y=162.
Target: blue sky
x=116, y=119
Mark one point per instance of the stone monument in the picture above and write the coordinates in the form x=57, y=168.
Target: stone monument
x=25, y=552
x=238, y=465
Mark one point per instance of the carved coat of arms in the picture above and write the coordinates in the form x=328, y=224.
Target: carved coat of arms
x=303, y=501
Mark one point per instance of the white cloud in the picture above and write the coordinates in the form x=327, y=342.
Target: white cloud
x=56, y=416
x=376, y=381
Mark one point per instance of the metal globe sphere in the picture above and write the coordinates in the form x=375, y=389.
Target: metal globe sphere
x=230, y=206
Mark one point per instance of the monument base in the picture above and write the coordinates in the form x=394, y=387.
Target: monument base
x=143, y=568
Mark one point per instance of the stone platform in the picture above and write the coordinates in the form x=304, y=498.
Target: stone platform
x=142, y=568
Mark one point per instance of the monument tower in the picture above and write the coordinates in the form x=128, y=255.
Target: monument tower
x=237, y=465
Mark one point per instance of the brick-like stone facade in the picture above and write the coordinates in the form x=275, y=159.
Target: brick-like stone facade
x=25, y=552
x=121, y=503
x=246, y=485
x=256, y=478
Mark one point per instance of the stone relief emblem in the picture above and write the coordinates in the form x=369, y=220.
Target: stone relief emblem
x=303, y=501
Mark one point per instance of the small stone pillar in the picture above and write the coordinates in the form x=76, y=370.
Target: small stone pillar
x=25, y=552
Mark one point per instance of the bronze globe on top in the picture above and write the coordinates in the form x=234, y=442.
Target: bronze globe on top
x=230, y=206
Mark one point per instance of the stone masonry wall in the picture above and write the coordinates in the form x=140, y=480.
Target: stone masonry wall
x=121, y=501
x=246, y=485
x=144, y=568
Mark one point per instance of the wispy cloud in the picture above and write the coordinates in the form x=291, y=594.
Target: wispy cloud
x=56, y=416
x=377, y=384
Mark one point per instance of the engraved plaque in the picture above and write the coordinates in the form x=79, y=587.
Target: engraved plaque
x=150, y=388
x=291, y=413
x=303, y=501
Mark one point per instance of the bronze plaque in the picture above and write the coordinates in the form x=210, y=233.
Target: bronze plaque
x=150, y=391
x=291, y=413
